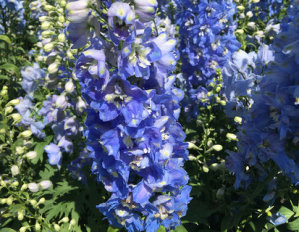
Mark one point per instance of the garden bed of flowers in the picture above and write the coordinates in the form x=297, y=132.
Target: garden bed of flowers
x=149, y=115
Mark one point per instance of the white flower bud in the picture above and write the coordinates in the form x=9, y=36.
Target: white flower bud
x=220, y=193
x=30, y=155
x=26, y=134
x=13, y=102
x=23, y=229
x=239, y=31
x=45, y=184
x=238, y=119
x=240, y=8
x=255, y=1
x=242, y=16
x=20, y=215
x=251, y=25
x=65, y=220
x=56, y=227
x=249, y=14
x=260, y=34
x=9, y=200
x=43, y=18
x=20, y=150
x=45, y=25
x=33, y=187
x=231, y=136
x=61, y=37
x=53, y=68
x=49, y=47
x=8, y=110
x=49, y=7
x=80, y=106
x=24, y=187
x=37, y=226
x=69, y=86
x=217, y=147
x=15, y=170
x=41, y=201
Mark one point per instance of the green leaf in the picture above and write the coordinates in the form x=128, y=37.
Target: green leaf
x=286, y=212
x=5, y=38
x=10, y=68
x=161, y=229
x=180, y=229
x=294, y=225
x=7, y=230
x=112, y=229
x=4, y=77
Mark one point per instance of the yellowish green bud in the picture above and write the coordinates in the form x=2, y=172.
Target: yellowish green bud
x=53, y=68
x=56, y=227
x=16, y=118
x=13, y=102
x=61, y=19
x=8, y=110
x=41, y=201
x=238, y=119
x=37, y=226
x=223, y=103
x=49, y=47
x=2, y=131
x=43, y=18
x=33, y=202
x=217, y=147
x=231, y=136
x=20, y=215
x=20, y=150
x=9, y=200
x=23, y=229
x=30, y=155
x=45, y=25
x=26, y=134
x=15, y=184
x=61, y=37
x=240, y=8
x=24, y=187
x=49, y=7
x=65, y=220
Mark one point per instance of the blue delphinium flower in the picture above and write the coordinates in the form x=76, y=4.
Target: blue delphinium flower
x=134, y=141
x=270, y=130
x=207, y=42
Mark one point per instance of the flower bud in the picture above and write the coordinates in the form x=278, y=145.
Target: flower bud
x=49, y=47
x=15, y=184
x=65, y=220
x=23, y=229
x=45, y=184
x=69, y=54
x=2, y=131
x=56, y=227
x=20, y=150
x=239, y=31
x=217, y=147
x=61, y=19
x=220, y=193
x=231, y=136
x=238, y=119
x=45, y=25
x=33, y=187
x=260, y=34
x=20, y=215
x=37, y=226
x=26, y=134
x=43, y=18
x=30, y=155
x=13, y=102
x=255, y=1
x=80, y=106
x=249, y=14
x=49, y=7
x=33, y=202
x=240, y=8
x=69, y=86
x=15, y=170
x=251, y=25
x=9, y=200
x=47, y=34
x=3, y=201
x=61, y=37
x=53, y=68
x=24, y=187
x=41, y=201
x=8, y=110
x=63, y=3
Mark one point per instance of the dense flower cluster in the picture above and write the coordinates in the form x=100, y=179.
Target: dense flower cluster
x=270, y=131
x=136, y=145
x=207, y=42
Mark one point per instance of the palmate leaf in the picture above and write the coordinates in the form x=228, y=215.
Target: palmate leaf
x=10, y=68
